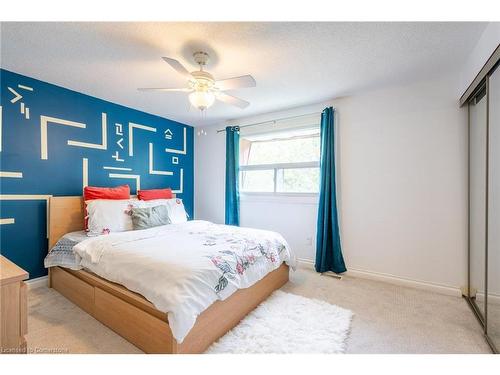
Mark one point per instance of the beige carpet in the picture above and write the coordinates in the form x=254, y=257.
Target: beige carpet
x=388, y=319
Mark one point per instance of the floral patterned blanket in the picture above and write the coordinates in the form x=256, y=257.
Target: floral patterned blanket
x=184, y=268
x=240, y=252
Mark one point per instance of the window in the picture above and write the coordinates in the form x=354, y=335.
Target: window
x=280, y=162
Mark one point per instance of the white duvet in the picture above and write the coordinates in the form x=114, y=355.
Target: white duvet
x=184, y=268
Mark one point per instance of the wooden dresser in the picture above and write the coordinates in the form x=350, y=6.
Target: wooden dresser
x=13, y=307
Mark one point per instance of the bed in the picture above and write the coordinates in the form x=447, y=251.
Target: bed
x=133, y=316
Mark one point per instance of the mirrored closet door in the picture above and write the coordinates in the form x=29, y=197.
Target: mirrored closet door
x=477, y=199
x=493, y=251
x=483, y=289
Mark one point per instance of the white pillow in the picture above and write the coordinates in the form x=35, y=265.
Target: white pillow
x=109, y=215
x=176, y=211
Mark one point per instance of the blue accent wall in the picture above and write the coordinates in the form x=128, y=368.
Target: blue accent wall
x=51, y=141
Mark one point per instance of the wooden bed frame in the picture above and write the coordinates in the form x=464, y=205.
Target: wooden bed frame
x=132, y=316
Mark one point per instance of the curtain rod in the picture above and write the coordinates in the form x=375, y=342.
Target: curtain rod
x=272, y=121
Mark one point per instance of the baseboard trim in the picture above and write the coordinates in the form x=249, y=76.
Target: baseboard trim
x=392, y=279
x=37, y=283
x=352, y=272
x=305, y=263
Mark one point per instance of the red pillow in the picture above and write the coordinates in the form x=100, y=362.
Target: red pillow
x=95, y=192
x=147, y=195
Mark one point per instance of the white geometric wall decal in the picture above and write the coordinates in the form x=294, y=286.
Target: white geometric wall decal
x=131, y=127
x=104, y=144
x=181, y=183
x=119, y=132
x=11, y=174
x=44, y=120
x=118, y=129
x=117, y=168
x=7, y=221
x=175, y=160
x=184, y=149
x=25, y=87
x=85, y=172
x=25, y=111
x=116, y=156
x=16, y=97
x=151, y=169
x=24, y=197
x=128, y=176
x=27, y=197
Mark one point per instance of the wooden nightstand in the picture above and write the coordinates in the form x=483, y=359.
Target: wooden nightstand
x=13, y=307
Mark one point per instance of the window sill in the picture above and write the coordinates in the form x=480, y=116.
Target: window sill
x=291, y=198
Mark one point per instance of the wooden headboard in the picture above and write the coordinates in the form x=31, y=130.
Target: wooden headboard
x=65, y=215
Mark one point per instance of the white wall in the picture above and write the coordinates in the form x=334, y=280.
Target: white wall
x=209, y=175
x=487, y=43
x=402, y=182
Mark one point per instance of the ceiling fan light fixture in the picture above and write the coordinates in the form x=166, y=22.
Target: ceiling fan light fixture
x=203, y=87
x=202, y=99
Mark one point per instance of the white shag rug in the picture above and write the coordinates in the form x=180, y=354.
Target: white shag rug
x=287, y=323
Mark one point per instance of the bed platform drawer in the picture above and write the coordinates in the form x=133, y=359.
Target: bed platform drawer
x=134, y=318
x=74, y=289
x=147, y=332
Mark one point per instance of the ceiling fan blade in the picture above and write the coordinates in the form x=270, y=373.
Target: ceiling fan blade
x=162, y=89
x=236, y=83
x=233, y=100
x=179, y=68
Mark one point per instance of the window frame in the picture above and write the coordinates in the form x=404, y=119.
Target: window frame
x=275, y=167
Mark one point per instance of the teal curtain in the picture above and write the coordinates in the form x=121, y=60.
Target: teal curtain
x=232, y=178
x=328, y=248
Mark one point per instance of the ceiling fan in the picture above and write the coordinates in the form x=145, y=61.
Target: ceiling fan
x=203, y=87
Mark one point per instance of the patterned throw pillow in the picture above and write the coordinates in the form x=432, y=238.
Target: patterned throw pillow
x=148, y=217
x=176, y=211
x=108, y=216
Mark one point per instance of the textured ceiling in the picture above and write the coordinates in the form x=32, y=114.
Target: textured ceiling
x=293, y=63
